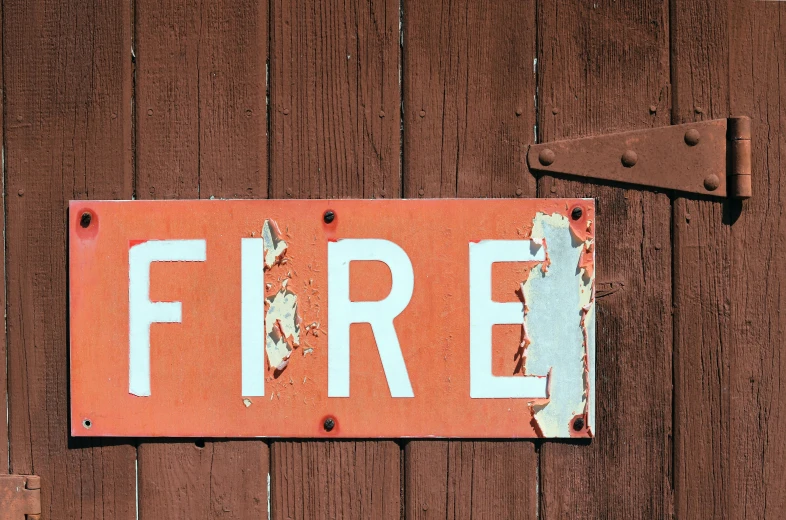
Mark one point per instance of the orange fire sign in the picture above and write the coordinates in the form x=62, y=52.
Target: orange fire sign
x=332, y=318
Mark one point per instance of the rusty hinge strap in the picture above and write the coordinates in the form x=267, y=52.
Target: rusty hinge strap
x=708, y=157
x=20, y=497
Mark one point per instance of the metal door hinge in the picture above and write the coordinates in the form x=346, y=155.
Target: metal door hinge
x=20, y=497
x=708, y=157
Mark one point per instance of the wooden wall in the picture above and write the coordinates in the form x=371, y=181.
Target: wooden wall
x=314, y=99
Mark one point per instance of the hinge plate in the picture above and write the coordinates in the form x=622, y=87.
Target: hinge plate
x=708, y=157
x=20, y=497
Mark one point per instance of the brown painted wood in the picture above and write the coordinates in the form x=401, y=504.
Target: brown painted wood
x=3, y=339
x=758, y=285
x=67, y=85
x=601, y=66
x=702, y=272
x=335, y=132
x=729, y=438
x=469, y=114
x=201, y=132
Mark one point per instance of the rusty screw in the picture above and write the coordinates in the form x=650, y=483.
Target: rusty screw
x=576, y=213
x=546, y=156
x=711, y=182
x=85, y=219
x=692, y=137
x=329, y=216
x=578, y=424
x=629, y=158
x=329, y=424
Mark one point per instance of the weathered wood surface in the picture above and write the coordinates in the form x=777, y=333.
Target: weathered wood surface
x=757, y=284
x=3, y=350
x=201, y=133
x=190, y=119
x=601, y=66
x=469, y=114
x=67, y=135
x=335, y=133
x=703, y=247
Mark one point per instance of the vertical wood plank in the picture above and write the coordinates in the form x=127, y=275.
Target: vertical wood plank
x=702, y=272
x=4, y=462
x=469, y=115
x=67, y=135
x=758, y=288
x=201, y=133
x=603, y=66
x=335, y=133
x=758, y=285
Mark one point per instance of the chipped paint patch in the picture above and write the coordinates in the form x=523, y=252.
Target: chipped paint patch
x=559, y=324
x=282, y=322
x=275, y=246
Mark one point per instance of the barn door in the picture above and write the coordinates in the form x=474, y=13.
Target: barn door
x=309, y=99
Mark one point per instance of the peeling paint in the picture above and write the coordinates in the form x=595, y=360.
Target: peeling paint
x=275, y=246
x=559, y=326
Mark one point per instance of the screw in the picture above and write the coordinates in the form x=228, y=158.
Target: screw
x=546, y=156
x=555, y=111
x=578, y=424
x=85, y=219
x=518, y=191
x=329, y=216
x=87, y=424
x=629, y=158
x=653, y=109
x=518, y=112
x=329, y=424
x=422, y=113
x=711, y=182
x=692, y=137
x=286, y=111
x=576, y=213
x=381, y=114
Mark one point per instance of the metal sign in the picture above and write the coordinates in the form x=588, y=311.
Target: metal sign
x=322, y=318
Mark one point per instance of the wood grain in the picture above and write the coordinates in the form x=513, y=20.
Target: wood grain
x=469, y=114
x=703, y=251
x=201, y=132
x=334, y=99
x=67, y=129
x=757, y=485
x=335, y=133
x=3, y=339
x=601, y=66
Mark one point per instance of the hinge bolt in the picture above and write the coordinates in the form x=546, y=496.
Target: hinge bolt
x=629, y=158
x=692, y=137
x=546, y=156
x=711, y=182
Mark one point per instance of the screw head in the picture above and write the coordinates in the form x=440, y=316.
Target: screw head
x=329, y=216
x=692, y=137
x=653, y=109
x=330, y=423
x=85, y=219
x=711, y=182
x=576, y=213
x=578, y=424
x=546, y=156
x=629, y=158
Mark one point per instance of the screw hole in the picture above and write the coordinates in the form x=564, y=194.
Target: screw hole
x=87, y=424
x=330, y=423
x=200, y=444
x=329, y=216
x=85, y=219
